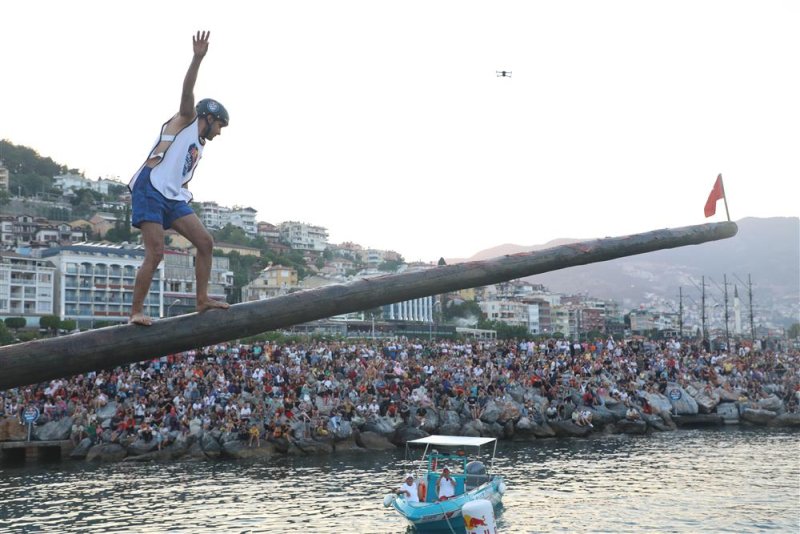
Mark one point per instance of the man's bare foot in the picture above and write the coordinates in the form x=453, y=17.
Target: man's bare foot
x=140, y=318
x=211, y=304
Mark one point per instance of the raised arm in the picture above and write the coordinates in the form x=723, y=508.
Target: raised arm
x=200, y=46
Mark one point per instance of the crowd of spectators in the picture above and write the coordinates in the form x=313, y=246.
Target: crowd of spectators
x=266, y=390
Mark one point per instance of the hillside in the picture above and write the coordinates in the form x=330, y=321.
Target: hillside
x=767, y=249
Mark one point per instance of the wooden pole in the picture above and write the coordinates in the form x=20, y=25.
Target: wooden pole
x=45, y=359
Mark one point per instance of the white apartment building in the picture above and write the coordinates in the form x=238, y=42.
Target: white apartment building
x=214, y=216
x=217, y=217
x=244, y=218
x=302, y=236
x=94, y=282
x=26, y=287
x=508, y=311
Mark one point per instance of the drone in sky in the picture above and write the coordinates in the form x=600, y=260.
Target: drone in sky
x=503, y=73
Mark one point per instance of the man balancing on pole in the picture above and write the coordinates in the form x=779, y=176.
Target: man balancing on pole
x=159, y=197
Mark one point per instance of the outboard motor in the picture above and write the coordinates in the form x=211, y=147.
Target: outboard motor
x=476, y=475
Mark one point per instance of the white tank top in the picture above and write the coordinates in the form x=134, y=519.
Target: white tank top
x=176, y=167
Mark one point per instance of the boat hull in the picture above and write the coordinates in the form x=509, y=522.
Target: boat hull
x=446, y=515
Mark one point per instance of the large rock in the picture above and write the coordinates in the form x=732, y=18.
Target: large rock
x=569, y=429
x=431, y=421
x=729, y=412
x=449, y=429
x=758, y=417
x=241, y=449
x=54, y=430
x=491, y=412
x=494, y=430
x=658, y=402
x=373, y=441
x=314, y=447
x=509, y=411
x=344, y=431
x=141, y=446
x=771, y=403
x=106, y=452
x=626, y=426
x=523, y=430
x=682, y=403
x=661, y=422
x=707, y=399
x=347, y=445
x=80, y=452
x=602, y=416
x=726, y=395
x=381, y=425
x=544, y=431
x=406, y=433
x=210, y=446
x=786, y=419
x=449, y=417
x=471, y=429
x=12, y=430
x=107, y=411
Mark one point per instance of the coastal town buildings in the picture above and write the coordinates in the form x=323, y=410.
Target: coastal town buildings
x=273, y=281
x=180, y=281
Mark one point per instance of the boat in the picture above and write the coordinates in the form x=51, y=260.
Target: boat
x=472, y=479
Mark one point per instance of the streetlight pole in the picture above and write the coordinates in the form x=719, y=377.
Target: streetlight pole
x=173, y=303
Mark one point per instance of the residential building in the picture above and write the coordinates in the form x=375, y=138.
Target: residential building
x=269, y=232
x=227, y=248
x=272, y=281
x=94, y=283
x=214, y=216
x=510, y=312
x=180, y=289
x=26, y=287
x=244, y=218
x=302, y=236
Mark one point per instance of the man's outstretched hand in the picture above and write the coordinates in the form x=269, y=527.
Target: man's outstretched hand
x=200, y=43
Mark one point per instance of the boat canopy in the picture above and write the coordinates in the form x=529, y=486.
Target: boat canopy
x=452, y=441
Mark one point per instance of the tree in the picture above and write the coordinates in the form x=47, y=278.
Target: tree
x=16, y=323
x=68, y=324
x=794, y=331
x=50, y=323
x=6, y=337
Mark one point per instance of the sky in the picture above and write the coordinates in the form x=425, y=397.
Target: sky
x=385, y=122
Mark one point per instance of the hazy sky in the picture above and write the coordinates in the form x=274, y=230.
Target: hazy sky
x=385, y=122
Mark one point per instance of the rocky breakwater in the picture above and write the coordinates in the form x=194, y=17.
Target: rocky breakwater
x=521, y=414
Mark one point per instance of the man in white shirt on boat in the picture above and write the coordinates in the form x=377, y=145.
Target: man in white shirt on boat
x=445, y=486
x=408, y=489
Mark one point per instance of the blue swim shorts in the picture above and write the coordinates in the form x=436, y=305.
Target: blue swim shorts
x=148, y=205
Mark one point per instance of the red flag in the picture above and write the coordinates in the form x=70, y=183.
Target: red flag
x=717, y=193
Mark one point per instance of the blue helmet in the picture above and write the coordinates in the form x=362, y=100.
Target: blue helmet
x=209, y=106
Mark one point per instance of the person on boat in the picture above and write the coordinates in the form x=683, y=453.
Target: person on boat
x=408, y=489
x=445, y=486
